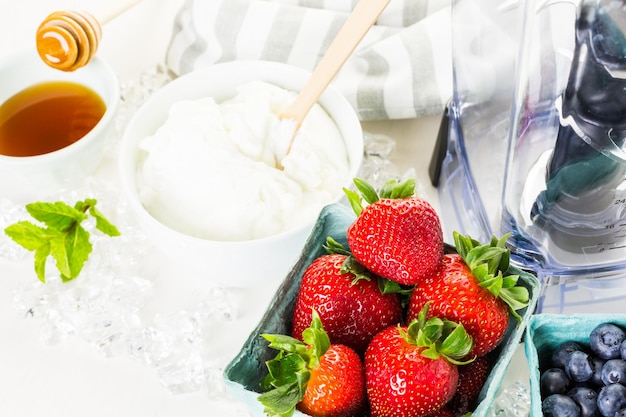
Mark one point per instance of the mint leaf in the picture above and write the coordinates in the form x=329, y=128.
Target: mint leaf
x=64, y=238
x=27, y=235
x=78, y=248
x=71, y=250
x=41, y=254
x=102, y=224
x=83, y=206
x=59, y=253
x=57, y=216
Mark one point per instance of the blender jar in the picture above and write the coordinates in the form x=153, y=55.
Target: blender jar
x=469, y=160
x=564, y=194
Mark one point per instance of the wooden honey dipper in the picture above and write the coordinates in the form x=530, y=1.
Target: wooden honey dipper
x=68, y=40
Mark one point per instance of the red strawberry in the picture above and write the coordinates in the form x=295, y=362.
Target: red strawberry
x=397, y=235
x=472, y=378
x=348, y=300
x=337, y=385
x=412, y=370
x=471, y=288
x=316, y=377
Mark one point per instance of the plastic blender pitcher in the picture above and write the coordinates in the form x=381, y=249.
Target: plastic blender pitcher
x=470, y=153
x=564, y=196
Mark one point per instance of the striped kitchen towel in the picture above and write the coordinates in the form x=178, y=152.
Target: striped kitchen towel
x=401, y=69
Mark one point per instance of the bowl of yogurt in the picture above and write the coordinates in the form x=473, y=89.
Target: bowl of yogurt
x=202, y=169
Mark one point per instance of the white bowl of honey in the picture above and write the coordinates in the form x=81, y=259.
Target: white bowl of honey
x=54, y=125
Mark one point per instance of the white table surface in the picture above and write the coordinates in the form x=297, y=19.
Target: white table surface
x=71, y=378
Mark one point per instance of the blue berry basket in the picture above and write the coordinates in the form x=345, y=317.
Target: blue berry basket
x=245, y=372
x=546, y=331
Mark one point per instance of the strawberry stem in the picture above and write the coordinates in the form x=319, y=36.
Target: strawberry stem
x=398, y=190
x=392, y=189
x=290, y=371
x=333, y=247
x=368, y=192
x=489, y=263
x=351, y=265
x=439, y=337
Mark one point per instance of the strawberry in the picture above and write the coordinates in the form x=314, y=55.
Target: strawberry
x=316, y=377
x=472, y=378
x=347, y=298
x=397, y=235
x=412, y=370
x=471, y=288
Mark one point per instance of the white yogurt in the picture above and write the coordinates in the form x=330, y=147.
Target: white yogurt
x=210, y=170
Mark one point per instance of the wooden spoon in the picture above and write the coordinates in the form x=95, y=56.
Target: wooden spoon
x=364, y=15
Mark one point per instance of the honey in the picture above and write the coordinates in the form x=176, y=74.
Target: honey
x=48, y=116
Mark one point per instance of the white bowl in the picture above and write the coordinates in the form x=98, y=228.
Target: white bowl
x=241, y=263
x=29, y=178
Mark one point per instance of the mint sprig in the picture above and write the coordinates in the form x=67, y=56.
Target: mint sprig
x=60, y=234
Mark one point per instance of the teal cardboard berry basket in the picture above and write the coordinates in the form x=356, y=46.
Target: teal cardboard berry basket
x=547, y=331
x=245, y=372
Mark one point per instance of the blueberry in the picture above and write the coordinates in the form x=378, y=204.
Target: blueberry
x=559, y=405
x=611, y=399
x=622, y=350
x=605, y=340
x=562, y=352
x=597, y=364
x=614, y=372
x=578, y=366
x=621, y=413
x=587, y=400
x=554, y=381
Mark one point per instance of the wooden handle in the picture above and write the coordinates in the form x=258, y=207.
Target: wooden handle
x=115, y=12
x=68, y=40
x=364, y=15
